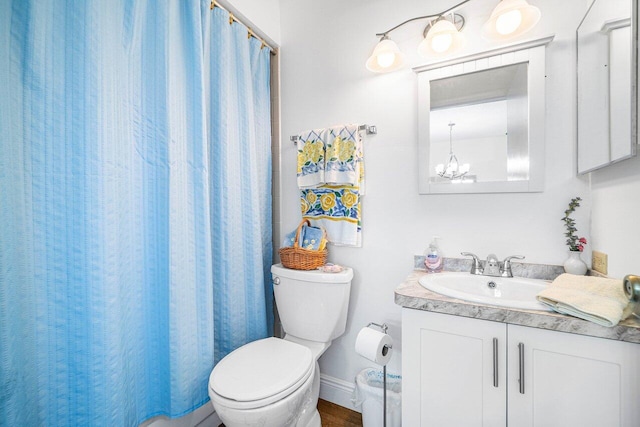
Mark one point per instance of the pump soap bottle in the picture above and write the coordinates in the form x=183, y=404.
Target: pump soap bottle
x=433, y=260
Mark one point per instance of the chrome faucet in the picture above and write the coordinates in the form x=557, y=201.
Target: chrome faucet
x=492, y=266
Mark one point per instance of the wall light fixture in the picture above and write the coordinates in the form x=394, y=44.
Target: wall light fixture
x=442, y=35
x=510, y=18
x=386, y=57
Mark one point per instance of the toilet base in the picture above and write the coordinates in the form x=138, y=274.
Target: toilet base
x=297, y=410
x=310, y=417
x=314, y=421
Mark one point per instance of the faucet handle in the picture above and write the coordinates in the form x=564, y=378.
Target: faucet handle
x=476, y=267
x=508, y=259
x=506, y=267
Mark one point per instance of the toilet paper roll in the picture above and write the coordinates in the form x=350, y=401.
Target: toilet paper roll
x=374, y=345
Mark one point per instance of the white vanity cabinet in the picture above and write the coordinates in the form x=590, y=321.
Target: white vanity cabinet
x=448, y=371
x=571, y=380
x=463, y=372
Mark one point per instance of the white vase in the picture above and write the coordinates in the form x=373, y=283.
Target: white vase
x=574, y=264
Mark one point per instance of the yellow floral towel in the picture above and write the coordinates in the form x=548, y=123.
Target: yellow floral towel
x=337, y=209
x=311, y=158
x=344, y=156
x=332, y=191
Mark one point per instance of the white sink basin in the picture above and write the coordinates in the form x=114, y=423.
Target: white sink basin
x=513, y=292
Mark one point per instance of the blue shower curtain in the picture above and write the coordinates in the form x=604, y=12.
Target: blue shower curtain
x=110, y=244
x=239, y=123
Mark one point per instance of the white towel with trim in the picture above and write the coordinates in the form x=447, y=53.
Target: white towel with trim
x=596, y=299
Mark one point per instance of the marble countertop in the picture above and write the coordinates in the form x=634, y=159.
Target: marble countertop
x=411, y=294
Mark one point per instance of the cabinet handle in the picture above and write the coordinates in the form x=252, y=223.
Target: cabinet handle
x=495, y=362
x=521, y=366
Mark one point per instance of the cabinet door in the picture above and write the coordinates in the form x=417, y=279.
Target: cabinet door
x=571, y=380
x=448, y=371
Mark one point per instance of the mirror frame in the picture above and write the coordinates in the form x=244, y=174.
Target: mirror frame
x=531, y=52
x=635, y=93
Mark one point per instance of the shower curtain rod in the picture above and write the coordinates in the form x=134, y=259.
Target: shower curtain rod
x=250, y=32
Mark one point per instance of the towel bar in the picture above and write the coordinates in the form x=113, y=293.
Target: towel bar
x=369, y=129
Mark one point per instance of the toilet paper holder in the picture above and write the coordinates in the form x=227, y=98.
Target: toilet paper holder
x=385, y=349
x=383, y=328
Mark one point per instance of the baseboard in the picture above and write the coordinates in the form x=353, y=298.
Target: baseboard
x=211, y=419
x=337, y=391
x=204, y=416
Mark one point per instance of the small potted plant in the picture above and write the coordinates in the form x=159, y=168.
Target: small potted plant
x=574, y=263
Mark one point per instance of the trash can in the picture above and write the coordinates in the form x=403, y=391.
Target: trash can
x=369, y=394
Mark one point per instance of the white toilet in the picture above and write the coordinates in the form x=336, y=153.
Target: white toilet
x=275, y=382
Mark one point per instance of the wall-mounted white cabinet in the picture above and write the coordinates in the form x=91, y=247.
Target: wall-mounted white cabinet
x=607, y=76
x=466, y=372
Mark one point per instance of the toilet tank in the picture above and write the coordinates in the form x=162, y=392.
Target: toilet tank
x=312, y=305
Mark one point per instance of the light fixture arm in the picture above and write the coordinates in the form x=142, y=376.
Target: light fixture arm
x=438, y=15
x=456, y=19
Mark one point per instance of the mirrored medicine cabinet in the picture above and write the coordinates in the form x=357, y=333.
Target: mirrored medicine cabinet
x=481, y=122
x=607, y=91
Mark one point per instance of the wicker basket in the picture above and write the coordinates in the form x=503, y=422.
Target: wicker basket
x=298, y=258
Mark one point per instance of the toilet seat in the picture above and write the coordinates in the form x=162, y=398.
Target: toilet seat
x=260, y=373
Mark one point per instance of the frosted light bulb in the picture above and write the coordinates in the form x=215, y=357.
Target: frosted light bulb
x=385, y=59
x=441, y=42
x=509, y=22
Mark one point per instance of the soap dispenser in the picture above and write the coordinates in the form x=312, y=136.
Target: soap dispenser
x=433, y=260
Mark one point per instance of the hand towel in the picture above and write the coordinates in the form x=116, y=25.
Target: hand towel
x=289, y=240
x=311, y=158
x=311, y=238
x=337, y=210
x=343, y=155
x=595, y=299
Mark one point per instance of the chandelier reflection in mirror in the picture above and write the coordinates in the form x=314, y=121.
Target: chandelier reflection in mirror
x=453, y=170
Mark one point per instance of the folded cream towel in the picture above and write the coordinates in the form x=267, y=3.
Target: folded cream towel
x=596, y=299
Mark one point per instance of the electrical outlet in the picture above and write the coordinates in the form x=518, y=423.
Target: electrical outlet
x=600, y=262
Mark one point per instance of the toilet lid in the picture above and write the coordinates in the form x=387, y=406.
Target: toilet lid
x=262, y=369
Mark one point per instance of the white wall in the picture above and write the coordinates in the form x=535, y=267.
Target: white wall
x=615, y=222
x=324, y=82
x=262, y=16
x=615, y=227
